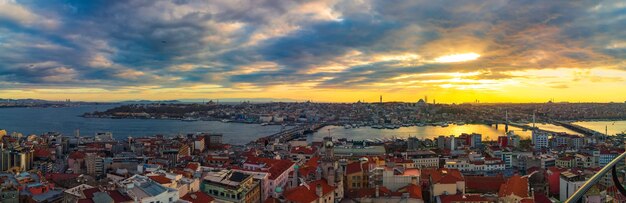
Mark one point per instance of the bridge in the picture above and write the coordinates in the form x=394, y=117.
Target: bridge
x=292, y=133
x=578, y=128
x=518, y=125
x=573, y=127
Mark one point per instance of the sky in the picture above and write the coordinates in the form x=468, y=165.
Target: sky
x=327, y=50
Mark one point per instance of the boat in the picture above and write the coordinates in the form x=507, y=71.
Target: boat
x=189, y=119
x=264, y=124
x=347, y=126
x=389, y=126
x=460, y=123
x=377, y=126
x=444, y=125
x=225, y=120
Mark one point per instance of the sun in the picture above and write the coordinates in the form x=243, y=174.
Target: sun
x=457, y=58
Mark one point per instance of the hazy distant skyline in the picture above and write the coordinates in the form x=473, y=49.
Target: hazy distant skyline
x=336, y=51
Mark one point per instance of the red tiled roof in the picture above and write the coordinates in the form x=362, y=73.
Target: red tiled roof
x=118, y=197
x=274, y=166
x=193, y=166
x=369, y=192
x=413, y=190
x=304, y=194
x=516, y=185
x=42, y=153
x=462, y=198
x=356, y=167
x=303, y=150
x=161, y=179
x=77, y=155
x=446, y=176
x=197, y=197
x=484, y=184
x=89, y=192
x=309, y=167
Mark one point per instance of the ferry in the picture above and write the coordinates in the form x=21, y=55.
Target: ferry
x=443, y=125
x=347, y=126
x=377, y=126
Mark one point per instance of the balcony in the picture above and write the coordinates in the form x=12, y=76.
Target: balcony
x=607, y=185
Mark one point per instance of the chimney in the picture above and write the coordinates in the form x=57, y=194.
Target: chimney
x=318, y=190
x=377, y=191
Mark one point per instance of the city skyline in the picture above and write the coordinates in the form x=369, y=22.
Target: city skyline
x=327, y=51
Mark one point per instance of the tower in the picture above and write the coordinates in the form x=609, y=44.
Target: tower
x=381, y=99
x=506, y=121
x=328, y=166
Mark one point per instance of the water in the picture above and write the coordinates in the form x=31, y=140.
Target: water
x=488, y=132
x=67, y=120
x=612, y=127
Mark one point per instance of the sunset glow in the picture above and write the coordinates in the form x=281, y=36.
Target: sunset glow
x=336, y=51
x=457, y=58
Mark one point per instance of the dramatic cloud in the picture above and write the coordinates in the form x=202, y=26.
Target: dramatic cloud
x=494, y=49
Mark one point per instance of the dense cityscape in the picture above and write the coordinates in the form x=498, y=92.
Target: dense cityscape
x=286, y=167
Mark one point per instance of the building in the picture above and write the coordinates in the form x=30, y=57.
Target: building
x=566, y=162
x=515, y=189
x=357, y=175
x=477, y=166
x=413, y=144
x=318, y=191
x=540, y=139
x=198, y=197
x=17, y=157
x=143, y=189
x=277, y=173
x=231, y=186
x=569, y=182
x=606, y=156
x=423, y=159
x=396, y=178
x=445, y=181
x=198, y=144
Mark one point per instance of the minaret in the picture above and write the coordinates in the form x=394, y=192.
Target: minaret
x=506, y=122
x=381, y=99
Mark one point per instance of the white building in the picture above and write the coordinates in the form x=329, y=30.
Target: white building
x=142, y=189
x=396, y=178
x=464, y=165
x=423, y=159
x=540, y=139
x=569, y=182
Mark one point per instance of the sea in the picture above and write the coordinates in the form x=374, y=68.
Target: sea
x=67, y=120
